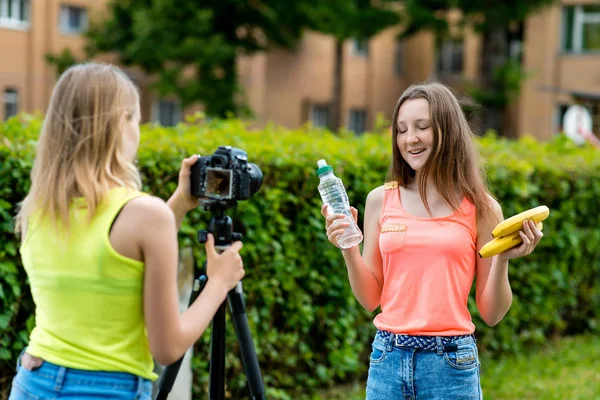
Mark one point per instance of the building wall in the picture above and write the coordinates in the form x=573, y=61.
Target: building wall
x=23, y=66
x=293, y=80
x=553, y=73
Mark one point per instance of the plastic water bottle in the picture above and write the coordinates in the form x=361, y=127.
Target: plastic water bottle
x=333, y=194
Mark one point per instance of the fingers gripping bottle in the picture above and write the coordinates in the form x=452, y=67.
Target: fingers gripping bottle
x=334, y=195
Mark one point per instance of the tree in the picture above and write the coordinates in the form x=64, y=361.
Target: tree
x=192, y=46
x=62, y=61
x=500, y=76
x=349, y=19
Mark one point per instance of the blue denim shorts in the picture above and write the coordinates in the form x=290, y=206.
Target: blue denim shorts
x=426, y=368
x=51, y=381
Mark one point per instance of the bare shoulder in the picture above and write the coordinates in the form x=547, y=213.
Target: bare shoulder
x=375, y=196
x=149, y=210
x=143, y=223
x=489, y=220
x=496, y=209
x=374, y=201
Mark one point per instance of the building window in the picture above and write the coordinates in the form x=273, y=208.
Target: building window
x=14, y=14
x=450, y=57
x=167, y=112
x=360, y=47
x=357, y=121
x=11, y=103
x=399, y=58
x=561, y=109
x=319, y=116
x=515, y=50
x=515, y=42
x=73, y=19
x=581, y=28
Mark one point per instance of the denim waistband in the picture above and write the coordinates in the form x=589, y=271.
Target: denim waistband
x=427, y=343
x=58, y=376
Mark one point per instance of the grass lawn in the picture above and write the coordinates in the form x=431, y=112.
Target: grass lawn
x=567, y=369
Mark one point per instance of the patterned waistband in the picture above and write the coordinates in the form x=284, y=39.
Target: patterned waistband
x=428, y=343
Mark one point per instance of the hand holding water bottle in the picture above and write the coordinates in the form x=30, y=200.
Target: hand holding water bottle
x=341, y=219
x=336, y=224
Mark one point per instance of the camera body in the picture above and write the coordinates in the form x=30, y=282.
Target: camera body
x=226, y=175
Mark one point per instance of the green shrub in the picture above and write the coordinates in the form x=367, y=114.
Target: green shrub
x=308, y=329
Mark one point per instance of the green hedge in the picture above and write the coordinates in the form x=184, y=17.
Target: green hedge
x=308, y=329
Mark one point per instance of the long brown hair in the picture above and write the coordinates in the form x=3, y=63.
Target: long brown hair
x=454, y=162
x=80, y=151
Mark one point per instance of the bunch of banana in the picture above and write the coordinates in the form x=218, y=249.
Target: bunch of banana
x=506, y=233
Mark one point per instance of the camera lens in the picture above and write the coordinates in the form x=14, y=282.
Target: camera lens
x=256, y=178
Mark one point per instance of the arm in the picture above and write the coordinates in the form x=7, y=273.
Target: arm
x=365, y=272
x=169, y=333
x=179, y=212
x=182, y=200
x=494, y=295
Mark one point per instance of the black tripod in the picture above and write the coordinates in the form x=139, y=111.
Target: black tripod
x=222, y=229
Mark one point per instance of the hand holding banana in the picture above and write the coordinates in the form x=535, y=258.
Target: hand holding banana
x=508, y=233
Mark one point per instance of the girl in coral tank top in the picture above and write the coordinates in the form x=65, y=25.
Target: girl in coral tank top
x=422, y=231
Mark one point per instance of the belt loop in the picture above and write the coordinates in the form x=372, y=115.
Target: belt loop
x=390, y=344
x=439, y=346
x=140, y=387
x=60, y=378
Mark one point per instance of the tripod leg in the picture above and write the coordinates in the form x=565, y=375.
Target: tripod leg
x=167, y=378
x=216, y=386
x=242, y=330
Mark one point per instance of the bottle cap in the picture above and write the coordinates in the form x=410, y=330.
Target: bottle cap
x=323, y=167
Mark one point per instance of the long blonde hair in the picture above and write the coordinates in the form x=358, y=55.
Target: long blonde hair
x=454, y=163
x=80, y=152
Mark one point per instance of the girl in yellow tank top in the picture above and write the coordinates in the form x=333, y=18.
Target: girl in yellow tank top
x=422, y=231
x=100, y=255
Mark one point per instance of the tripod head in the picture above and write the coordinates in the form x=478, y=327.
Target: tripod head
x=221, y=225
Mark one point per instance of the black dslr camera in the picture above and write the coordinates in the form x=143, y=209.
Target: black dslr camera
x=226, y=175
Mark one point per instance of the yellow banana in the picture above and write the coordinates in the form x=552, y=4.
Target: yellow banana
x=515, y=223
x=500, y=244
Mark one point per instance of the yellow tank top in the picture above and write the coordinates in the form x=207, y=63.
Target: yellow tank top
x=89, y=299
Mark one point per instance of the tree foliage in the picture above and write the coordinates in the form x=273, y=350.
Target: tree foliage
x=191, y=46
x=308, y=329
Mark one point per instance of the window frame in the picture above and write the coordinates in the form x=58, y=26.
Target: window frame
x=574, y=19
x=176, y=112
x=446, y=51
x=360, y=47
x=356, y=114
x=15, y=14
x=65, y=19
x=399, y=53
x=10, y=91
x=315, y=109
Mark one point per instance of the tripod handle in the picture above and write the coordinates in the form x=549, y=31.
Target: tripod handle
x=221, y=240
x=202, y=236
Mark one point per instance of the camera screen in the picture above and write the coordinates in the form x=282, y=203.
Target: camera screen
x=219, y=183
